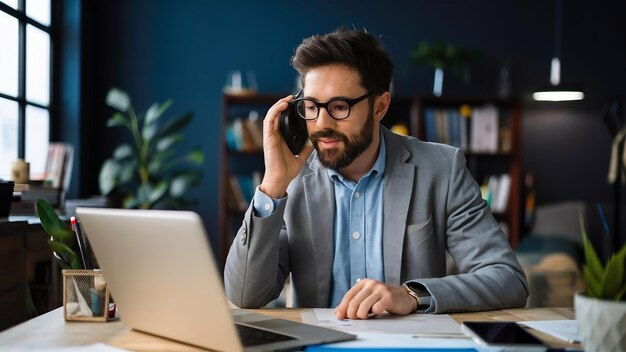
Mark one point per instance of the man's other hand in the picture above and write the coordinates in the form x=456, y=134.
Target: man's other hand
x=370, y=298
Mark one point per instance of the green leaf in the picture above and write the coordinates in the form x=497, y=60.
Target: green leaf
x=123, y=151
x=130, y=202
x=109, y=176
x=156, y=110
x=621, y=293
x=51, y=223
x=593, y=284
x=159, y=160
x=181, y=183
x=196, y=156
x=157, y=192
x=118, y=119
x=175, y=125
x=65, y=251
x=168, y=142
x=147, y=194
x=148, y=132
x=592, y=259
x=118, y=99
x=128, y=171
x=613, y=278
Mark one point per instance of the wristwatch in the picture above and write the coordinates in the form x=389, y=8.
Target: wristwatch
x=421, y=295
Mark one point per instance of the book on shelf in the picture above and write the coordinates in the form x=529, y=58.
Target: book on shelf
x=484, y=129
x=59, y=163
x=52, y=185
x=241, y=190
x=496, y=191
x=236, y=199
x=24, y=200
x=245, y=134
x=445, y=125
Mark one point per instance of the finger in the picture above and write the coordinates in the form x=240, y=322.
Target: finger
x=342, y=309
x=371, y=304
x=356, y=302
x=365, y=308
x=274, y=111
x=377, y=309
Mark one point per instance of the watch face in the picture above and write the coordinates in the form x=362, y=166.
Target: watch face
x=419, y=292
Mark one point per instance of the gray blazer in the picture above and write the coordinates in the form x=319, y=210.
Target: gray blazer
x=431, y=205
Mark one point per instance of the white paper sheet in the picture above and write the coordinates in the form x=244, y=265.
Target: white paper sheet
x=420, y=325
x=566, y=330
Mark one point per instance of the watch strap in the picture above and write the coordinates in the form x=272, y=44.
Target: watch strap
x=421, y=295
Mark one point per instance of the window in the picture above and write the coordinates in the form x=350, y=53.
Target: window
x=26, y=38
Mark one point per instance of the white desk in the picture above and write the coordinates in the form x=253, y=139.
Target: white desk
x=50, y=330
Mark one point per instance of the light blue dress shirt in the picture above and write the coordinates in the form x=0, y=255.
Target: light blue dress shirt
x=358, y=228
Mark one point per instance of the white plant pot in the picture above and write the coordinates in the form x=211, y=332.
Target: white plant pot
x=601, y=323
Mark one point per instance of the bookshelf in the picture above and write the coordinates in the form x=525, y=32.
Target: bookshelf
x=491, y=157
x=240, y=161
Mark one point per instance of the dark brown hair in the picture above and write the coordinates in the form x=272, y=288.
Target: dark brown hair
x=353, y=48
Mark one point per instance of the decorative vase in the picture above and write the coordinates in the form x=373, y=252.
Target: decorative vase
x=438, y=82
x=601, y=323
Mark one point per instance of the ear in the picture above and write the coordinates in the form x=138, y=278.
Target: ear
x=381, y=104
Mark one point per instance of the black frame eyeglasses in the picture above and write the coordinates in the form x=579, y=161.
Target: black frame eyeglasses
x=309, y=109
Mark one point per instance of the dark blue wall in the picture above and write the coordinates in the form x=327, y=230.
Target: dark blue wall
x=184, y=49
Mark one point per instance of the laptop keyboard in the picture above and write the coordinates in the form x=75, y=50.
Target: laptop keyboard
x=252, y=336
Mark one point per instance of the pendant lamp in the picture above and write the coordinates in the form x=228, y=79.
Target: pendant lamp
x=556, y=91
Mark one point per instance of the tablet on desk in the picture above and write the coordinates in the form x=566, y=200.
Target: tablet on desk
x=500, y=333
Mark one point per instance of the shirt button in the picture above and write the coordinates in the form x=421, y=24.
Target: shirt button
x=356, y=235
x=357, y=194
x=267, y=206
x=244, y=234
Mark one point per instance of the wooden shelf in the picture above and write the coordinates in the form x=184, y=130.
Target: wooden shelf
x=407, y=110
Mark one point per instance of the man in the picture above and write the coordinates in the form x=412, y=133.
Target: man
x=363, y=222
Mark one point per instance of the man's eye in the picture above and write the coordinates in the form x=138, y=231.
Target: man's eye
x=340, y=107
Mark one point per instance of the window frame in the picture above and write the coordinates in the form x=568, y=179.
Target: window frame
x=22, y=102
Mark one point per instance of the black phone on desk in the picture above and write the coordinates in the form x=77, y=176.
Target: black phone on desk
x=293, y=128
x=501, y=333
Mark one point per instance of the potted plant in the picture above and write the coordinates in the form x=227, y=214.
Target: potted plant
x=441, y=56
x=148, y=173
x=601, y=309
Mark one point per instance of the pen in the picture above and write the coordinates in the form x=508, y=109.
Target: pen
x=79, y=240
x=84, y=241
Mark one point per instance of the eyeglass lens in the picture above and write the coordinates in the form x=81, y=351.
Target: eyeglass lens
x=309, y=110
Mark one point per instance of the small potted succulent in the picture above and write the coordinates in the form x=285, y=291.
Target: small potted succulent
x=601, y=309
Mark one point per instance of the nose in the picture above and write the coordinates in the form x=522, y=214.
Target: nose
x=324, y=120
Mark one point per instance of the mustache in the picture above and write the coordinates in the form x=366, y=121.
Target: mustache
x=328, y=133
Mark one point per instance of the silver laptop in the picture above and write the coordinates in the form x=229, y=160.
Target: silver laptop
x=163, y=277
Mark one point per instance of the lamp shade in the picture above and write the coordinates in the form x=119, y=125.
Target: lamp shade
x=557, y=91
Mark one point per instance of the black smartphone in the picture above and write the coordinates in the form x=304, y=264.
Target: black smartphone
x=293, y=128
x=500, y=333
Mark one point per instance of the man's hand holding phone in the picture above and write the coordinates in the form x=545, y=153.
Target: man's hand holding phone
x=281, y=166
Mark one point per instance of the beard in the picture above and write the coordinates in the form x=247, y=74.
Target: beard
x=353, y=147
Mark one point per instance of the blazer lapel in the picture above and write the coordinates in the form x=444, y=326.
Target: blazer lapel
x=398, y=189
x=319, y=193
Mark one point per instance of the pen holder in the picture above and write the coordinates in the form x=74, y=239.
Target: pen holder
x=85, y=296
